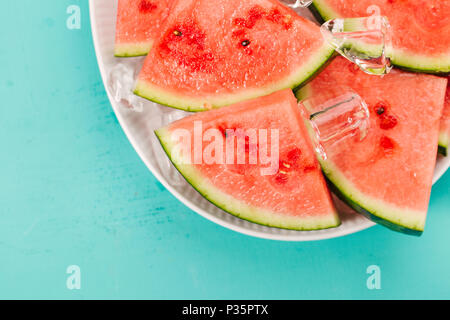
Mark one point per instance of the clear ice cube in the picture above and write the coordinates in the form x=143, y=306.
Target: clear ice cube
x=364, y=41
x=121, y=81
x=298, y=3
x=333, y=116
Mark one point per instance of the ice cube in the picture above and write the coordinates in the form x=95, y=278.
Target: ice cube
x=298, y=3
x=364, y=41
x=334, y=116
x=121, y=81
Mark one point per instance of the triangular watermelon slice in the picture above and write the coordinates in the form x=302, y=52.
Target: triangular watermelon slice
x=139, y=24
x=420, y=28
x=293, y=194
x=216, y=53
x=388, y=175
x=444, y=135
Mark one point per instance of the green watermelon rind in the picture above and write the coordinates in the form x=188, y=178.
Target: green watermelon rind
x=398, y=219
x=301, y=76
x=373, y=216
x=238, y=208
x=401, y=59
x=444, y=140
x=130, y=50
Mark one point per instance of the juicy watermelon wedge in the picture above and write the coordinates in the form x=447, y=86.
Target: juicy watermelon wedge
x=388, y=175
x=216, y=53
x=293, y=196
x=444, y=135
x=420, y=28
x=139, y=23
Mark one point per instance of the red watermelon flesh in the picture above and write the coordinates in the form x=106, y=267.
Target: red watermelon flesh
x=139, y=24
x=420, y=28
x=293, y=196
x=388, y=175
x=444, y=136
x=216, y=53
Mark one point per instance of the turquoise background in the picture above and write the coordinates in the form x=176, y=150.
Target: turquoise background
x=74, y=192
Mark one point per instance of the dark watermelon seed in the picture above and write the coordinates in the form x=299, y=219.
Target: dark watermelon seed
x=178, y=33
x=245, y=43
x=380, y=110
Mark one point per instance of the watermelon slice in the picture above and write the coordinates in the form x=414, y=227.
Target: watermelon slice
x=216, y=53
x=293, y=196
x=388, y=175
x=420, y=28
x=138, y=25
x=444, y=135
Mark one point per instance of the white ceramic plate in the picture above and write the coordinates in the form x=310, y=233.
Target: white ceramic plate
x=139, y=127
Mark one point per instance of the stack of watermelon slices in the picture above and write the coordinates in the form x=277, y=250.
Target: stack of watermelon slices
x=247, y=55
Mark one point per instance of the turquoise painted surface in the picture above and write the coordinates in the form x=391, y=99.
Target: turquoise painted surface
x=74, y=192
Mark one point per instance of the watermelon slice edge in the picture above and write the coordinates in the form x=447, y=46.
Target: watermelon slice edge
x=302, y=75
x=407, y=59
x=206, y=51
x=444, y=134
x=138, y=25
x=238, y=207
x=388, y=176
